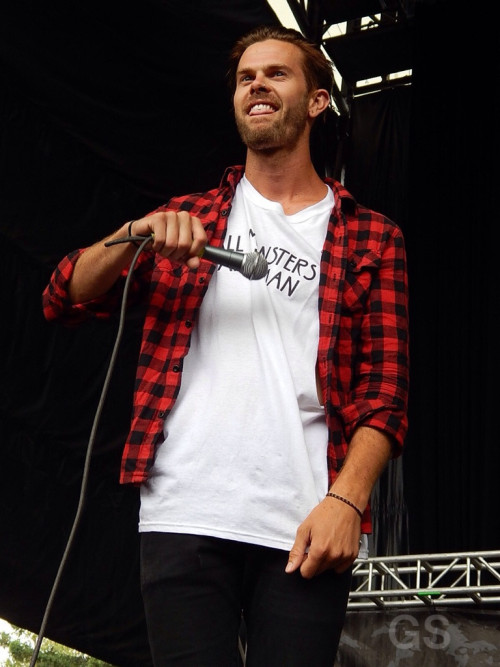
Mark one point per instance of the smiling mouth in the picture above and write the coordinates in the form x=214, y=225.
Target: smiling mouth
x=261, y=109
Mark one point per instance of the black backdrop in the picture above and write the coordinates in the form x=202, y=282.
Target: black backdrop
x=109, y=108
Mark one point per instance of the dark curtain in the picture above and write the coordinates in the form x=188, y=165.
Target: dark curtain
x=452, y=460
x=377, y=152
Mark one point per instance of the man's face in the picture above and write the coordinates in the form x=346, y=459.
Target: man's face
x=271, y=101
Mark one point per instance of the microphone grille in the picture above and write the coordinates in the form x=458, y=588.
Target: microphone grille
x=254, y=266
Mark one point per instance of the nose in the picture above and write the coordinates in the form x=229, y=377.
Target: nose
x=259, y=83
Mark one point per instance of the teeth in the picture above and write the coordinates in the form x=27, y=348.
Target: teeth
x=261, y=107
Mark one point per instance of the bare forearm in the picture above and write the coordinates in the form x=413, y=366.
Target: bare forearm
x=368, y=454
x=175, y=235
x=98, y=268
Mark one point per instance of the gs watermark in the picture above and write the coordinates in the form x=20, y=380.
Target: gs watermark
x=406, y=632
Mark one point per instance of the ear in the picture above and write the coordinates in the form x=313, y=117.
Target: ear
x=318, y=102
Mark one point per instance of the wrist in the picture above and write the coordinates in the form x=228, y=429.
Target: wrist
x=130, y=233
x=346, y=501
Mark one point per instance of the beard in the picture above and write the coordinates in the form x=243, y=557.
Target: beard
x=274, y=133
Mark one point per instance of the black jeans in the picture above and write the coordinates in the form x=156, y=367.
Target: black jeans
x=202, y=594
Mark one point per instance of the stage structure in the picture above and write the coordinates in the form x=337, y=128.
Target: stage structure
x=426, y=580
x=437, y=610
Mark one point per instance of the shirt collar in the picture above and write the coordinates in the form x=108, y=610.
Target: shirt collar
x=346, y=201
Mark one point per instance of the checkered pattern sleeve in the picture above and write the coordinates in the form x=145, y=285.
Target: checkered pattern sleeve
x=57, y=304
x=364, y=349
x=379, y=393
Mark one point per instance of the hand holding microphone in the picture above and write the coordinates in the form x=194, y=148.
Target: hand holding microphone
x=181, y=237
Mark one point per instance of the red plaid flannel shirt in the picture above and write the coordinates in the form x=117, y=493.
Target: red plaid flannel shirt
x=363, y=315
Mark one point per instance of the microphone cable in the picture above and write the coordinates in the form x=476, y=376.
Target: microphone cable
x=83, y=487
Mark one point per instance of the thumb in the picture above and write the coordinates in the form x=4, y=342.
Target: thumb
x=297, y=555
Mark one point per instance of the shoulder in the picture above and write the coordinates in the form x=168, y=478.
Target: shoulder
x=359, y=216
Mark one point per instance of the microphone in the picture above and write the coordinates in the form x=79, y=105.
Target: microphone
x=252, y=265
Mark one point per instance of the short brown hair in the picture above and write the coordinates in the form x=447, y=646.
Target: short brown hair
x=318, y=70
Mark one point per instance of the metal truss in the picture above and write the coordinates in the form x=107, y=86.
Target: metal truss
x=374, y=44
x=426, y=580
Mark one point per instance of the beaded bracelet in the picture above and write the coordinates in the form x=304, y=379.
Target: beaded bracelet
x=347, y=502
x=130, y=233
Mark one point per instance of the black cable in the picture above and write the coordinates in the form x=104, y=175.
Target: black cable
x=90, y=445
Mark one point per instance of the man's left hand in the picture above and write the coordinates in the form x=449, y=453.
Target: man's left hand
x=327, y=539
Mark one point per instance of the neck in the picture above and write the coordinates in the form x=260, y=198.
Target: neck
x=286, y=177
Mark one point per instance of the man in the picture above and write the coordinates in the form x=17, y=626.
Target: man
x=256, y=469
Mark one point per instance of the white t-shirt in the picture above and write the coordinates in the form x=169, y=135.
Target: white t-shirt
x=244, y=456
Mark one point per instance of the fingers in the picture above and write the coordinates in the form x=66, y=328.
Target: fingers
x=177, y=235
x=325, y=540
x=297, y=556
x=319, y=561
